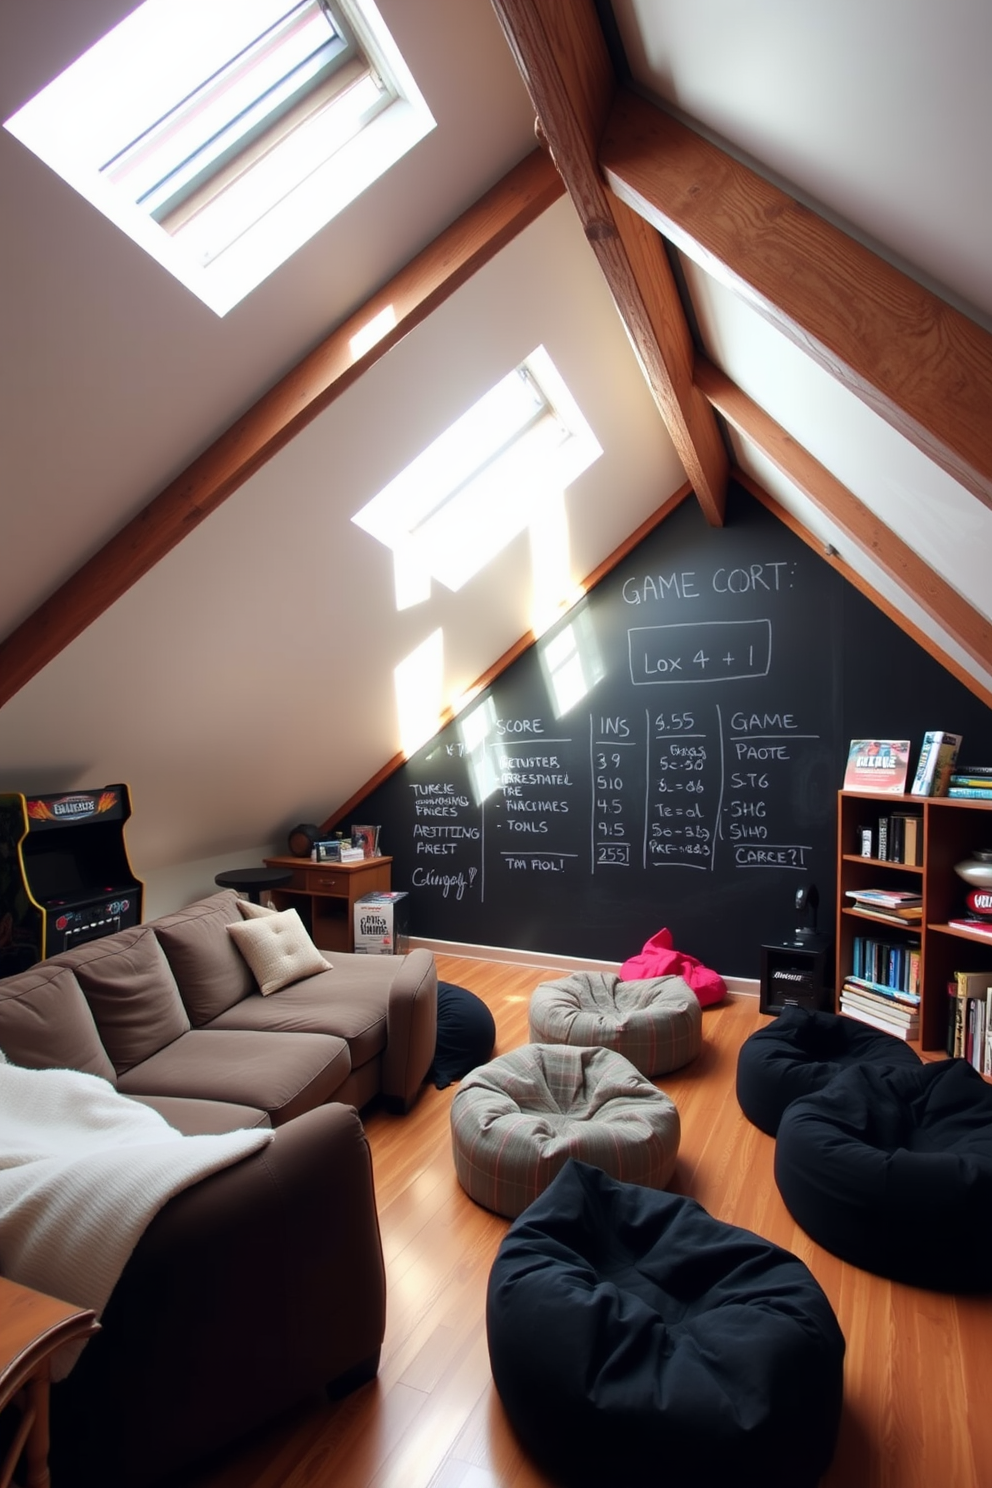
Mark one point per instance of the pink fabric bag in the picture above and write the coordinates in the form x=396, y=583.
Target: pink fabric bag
x=659, y=959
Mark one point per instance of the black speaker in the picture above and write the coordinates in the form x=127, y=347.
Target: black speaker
x=302, y=839
x=794, y=972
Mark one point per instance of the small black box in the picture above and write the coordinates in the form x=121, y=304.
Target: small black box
x=796, y=973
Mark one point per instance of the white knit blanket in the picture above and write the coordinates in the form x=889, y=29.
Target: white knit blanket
x=83, y=1171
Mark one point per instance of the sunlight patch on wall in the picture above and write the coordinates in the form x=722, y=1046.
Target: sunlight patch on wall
x=475, y=731
x=419, y=686
x=571, y=663
x=552, y=590
x=500, y=468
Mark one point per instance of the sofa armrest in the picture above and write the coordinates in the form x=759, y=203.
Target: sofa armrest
x=411, y=1029
x=248, y=1292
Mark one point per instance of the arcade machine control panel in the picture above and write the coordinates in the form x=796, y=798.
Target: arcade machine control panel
x=65, y=877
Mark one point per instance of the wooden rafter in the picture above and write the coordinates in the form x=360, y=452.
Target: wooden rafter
x=920, y=364
x=278, y=416
x=957, y=618
x=562, y=56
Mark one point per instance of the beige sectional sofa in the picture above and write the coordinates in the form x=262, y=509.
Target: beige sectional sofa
x=170, y=1013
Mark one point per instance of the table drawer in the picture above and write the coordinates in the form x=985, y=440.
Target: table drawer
x=326, y=881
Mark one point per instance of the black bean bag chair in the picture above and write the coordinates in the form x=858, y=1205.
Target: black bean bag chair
x=890, y=1168
x=634, y=1339
x=466, y=1034
x=799, y=1052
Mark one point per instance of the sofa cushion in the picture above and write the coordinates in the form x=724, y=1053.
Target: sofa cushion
x=131, y=992
x=283, y=1073
x=209, y=972
x=349, y=1006
x=46, y=1023
x=204, y=1118
x=278, y=950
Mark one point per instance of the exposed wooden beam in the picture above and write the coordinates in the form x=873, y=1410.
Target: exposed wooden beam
x=562, y=56
x=950, y=610
x=278, y=416
x=926, y=368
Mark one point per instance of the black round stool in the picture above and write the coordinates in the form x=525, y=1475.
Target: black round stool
x=253, y=881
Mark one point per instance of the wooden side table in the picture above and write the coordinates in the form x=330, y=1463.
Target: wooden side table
x=32, y=1327
x=327, y=891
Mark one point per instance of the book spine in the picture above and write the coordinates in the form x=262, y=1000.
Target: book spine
x=947, y=754
x=883, y=838
x=923, y=778
x=977, y=1039
x=970, y=792
x=897, y=840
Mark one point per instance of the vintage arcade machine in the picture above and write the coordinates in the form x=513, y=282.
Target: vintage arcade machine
x=64, y=873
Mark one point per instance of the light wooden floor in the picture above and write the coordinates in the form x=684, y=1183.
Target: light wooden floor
x=918, y=1371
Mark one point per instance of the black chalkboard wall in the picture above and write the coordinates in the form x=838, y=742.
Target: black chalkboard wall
x=668, y=755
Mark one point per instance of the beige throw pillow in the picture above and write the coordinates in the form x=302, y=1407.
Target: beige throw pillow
x=278, y=949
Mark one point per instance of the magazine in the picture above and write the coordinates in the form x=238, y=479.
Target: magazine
x=877, y=765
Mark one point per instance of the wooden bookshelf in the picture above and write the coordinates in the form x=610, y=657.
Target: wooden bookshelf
x=952, y=831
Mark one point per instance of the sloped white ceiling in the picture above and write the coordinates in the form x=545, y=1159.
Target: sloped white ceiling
x=877, y=115
x=247, y=681
x=929, y=510
x=877, y=111
x=114, y=375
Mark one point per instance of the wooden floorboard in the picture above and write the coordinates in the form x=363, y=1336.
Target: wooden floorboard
x=918, y=1400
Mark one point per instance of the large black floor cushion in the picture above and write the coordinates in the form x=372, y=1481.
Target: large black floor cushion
x=656, y=1023
x=636, y=1340
x=799, y=1052
x=516, y=1121
x=890, y=1168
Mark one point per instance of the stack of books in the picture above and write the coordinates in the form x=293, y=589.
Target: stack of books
x=896, y=838
x=969, y=1019
x=972, y=783
x=899, y=906
x=886, y=1008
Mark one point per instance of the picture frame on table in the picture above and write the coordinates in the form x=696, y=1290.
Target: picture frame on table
x=367, y=838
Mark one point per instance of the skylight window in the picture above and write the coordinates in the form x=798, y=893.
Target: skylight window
x=222, y=134
x=481, y=482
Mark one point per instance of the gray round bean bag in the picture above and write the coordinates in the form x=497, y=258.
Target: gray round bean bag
x=656, y=1023
x=516, y=1121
